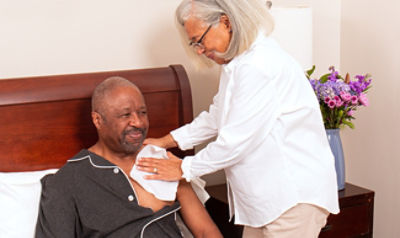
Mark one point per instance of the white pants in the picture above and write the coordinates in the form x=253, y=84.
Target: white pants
x=303, y=221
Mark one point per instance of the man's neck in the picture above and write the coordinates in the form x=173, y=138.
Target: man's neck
x=122, y=160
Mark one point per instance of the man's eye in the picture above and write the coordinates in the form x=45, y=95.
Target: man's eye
x=126, y=115
x=143, y=112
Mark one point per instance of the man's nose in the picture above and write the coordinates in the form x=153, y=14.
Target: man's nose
x=135, y=120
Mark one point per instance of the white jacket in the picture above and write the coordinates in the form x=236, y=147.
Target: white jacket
x=270, y=137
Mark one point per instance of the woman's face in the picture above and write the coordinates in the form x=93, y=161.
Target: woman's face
x=216, y=39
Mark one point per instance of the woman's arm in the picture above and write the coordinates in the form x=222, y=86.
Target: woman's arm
x=253, y=110
x=166, y=141
x=194, y=214
x=202, y=128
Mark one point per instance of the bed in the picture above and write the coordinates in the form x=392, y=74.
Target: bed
x=44, y=120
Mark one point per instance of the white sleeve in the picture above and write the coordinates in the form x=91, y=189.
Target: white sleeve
x=202, y=128
x=253, y=110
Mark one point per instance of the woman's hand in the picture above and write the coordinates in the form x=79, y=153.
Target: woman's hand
x=166, y=141
x=162, y=169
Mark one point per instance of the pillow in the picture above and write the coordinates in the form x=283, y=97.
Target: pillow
x=19, y=202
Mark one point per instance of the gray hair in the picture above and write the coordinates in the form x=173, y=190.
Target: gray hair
x=108, y=85
x=247, y=18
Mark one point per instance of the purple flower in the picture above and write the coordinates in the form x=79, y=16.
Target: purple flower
x=339, y=97
x=314, y=83
x=354, y=100
x=332, y=104
x=333, y=76
x=360, y=85
x=339, y=102
x=356, y=87
x=326, y=90
x=345, y=96
x=363, y=99
x=341, y=86
x=360, y=78
x=350, y=113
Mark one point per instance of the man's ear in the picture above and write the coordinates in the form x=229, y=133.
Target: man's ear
x=97, y=120
x=224, y=19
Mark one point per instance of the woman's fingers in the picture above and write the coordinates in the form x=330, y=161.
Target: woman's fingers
x=162, y=169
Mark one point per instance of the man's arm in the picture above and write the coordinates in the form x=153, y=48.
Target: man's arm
x=194, y=214
x=56, y=216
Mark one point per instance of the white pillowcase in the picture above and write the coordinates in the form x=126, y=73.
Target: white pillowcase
x=19, y=202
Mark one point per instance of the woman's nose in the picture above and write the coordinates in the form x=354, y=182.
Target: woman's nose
x=200, y=51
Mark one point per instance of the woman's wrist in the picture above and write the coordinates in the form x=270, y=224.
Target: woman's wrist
x=169, y=141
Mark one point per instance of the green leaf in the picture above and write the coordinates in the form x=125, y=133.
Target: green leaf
x=324, y=78
x=310, y=71
x=348, y=123
x=340, y=114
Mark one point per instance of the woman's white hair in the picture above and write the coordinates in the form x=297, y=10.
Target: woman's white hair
x=247, y=18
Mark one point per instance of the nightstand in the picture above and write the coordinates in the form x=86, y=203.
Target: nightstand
x=356, y=214
x=354, y=220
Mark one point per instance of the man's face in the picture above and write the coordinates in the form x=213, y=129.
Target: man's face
x=125, y=122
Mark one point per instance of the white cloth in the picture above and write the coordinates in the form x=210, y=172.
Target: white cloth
x=270, y=137
x=162, y=190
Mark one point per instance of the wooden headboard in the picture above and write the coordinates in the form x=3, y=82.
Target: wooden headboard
x=45, y=120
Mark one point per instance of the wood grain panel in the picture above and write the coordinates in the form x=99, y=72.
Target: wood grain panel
x=45, y=120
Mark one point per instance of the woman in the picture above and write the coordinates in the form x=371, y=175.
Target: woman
x=270, y=138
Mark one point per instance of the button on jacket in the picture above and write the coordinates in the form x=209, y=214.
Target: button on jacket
x=91, y=197
x=270, y=137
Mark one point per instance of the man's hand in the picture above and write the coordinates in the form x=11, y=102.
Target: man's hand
x=162, y=169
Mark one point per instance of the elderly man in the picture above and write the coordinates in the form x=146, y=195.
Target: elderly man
x=93, y=195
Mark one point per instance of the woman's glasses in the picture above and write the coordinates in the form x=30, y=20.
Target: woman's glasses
x=198, y=45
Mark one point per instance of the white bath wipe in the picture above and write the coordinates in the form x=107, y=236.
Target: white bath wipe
x=162, y=190
x=198, y=186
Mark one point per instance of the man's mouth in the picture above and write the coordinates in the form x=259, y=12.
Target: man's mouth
x=134, y=134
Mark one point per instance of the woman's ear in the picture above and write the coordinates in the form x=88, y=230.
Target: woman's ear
x=224, y=19
x=97, y=120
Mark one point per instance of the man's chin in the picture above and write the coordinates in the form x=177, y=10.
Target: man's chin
x=132, y=147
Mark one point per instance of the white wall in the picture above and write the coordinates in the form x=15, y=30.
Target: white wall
x=370, y=43
x=69, y=36
x=47, y=37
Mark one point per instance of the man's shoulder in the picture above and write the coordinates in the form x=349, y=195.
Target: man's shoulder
x=68, y=170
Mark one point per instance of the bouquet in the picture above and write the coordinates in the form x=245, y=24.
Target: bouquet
x=339, y=97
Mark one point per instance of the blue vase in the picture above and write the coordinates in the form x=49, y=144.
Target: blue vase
x=337, y=150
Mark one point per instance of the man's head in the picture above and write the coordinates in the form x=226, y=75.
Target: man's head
x=120, y=115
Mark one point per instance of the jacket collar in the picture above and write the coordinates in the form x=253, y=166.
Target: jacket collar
x=236, y=60
x=95, y=160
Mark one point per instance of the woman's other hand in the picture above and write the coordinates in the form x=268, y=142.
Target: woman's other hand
x=162, y=169
x=166, y=141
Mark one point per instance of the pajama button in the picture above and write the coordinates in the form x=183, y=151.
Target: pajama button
x=116, y=170
x=130, y=198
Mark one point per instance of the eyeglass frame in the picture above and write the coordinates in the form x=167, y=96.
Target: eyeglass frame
x=198, y=44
